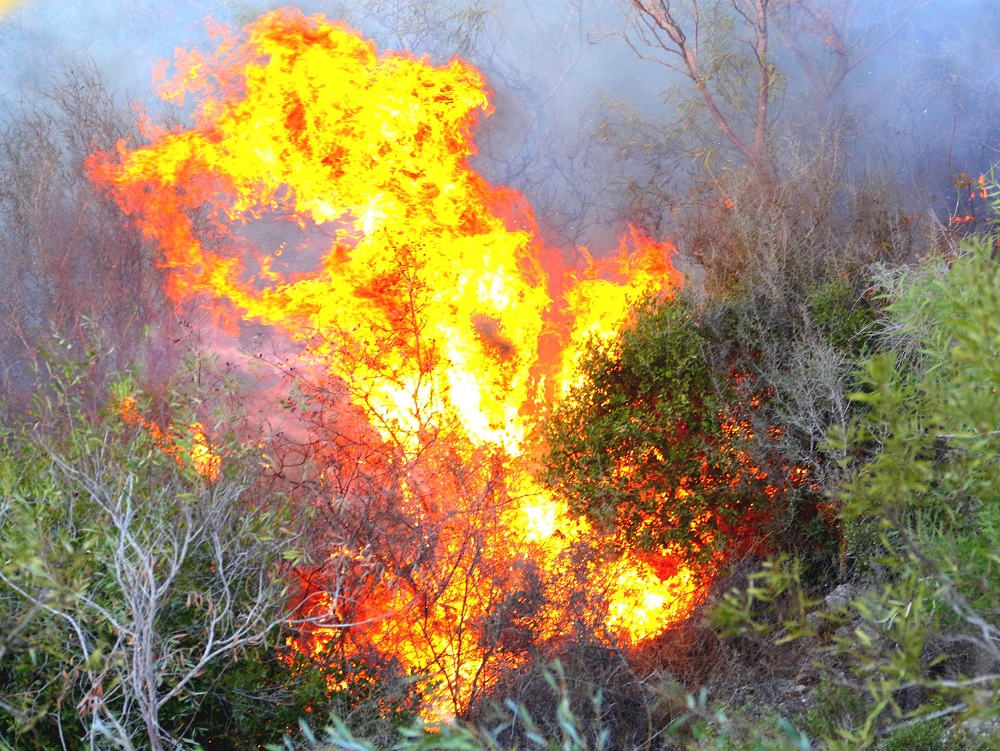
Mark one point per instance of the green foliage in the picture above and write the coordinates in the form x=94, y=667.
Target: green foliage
x=838, y=314
x=718, y=726
x=929, y=440
x=666, y=439
x=774, y=598
x=834, y=708
x=740, y=732
x=919, y=505
x=638, y=444
x=263, y=695
x=920, y=736
x=926, y=474
x=131, y=586
x=420, y=737
x=908, y=659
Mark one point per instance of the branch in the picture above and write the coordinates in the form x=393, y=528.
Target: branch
x=658, y=15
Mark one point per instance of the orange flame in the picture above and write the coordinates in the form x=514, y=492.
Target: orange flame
x=421, y=288
x=200, y=455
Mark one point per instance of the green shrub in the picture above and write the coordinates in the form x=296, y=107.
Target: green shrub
x=723, y=728
x=132, y=582
x=840, y=315
x=641, y=443
x=833, y=707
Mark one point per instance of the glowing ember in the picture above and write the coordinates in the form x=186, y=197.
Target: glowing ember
x=418, y=286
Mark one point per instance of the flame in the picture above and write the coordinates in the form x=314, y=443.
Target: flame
x=199, y=454
x=421, y=288
x=600, y=301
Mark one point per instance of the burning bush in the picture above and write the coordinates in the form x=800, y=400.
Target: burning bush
x=648, y=443
x=422, y=319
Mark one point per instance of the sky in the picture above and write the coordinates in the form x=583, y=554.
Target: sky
x=574, y=104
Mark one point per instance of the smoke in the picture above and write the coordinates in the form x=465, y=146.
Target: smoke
x=919, y=103
x=589, y=132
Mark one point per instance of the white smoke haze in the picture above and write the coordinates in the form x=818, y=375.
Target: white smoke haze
x=579, y=117
x=920, y=101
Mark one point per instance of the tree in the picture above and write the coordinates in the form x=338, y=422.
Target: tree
x=698, y=40
x=67, y=253
x=826, y=42
x=130, y=569
x=726, y=51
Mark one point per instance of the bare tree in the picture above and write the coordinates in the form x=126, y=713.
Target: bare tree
x=727, y=52
x=827, y=42
x=66, y=252
x=440, y=28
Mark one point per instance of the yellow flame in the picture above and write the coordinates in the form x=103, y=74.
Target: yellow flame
x=429, y=305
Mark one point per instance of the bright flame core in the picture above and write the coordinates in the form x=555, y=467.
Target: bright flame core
x=428, y=301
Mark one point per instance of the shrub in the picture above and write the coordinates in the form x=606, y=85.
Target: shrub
x=133, y=577
x=656, y=441
x=639, y=444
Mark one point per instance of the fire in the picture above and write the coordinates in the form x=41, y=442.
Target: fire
x=420, y=289
x=200, y=454
x=599, y=301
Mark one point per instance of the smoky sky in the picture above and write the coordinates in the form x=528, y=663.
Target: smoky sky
x=573, y=102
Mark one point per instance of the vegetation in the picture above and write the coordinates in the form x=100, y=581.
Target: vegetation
x=651, y=441
x=136, y=573
x=61, y=236
x=811, y=424
x=902, y=652
x=637, y=444
x=889, y=643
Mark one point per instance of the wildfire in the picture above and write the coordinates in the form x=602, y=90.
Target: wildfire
x=199, y=454
x=420, y=289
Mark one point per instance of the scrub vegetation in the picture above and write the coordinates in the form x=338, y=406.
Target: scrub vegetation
x=200, y=549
